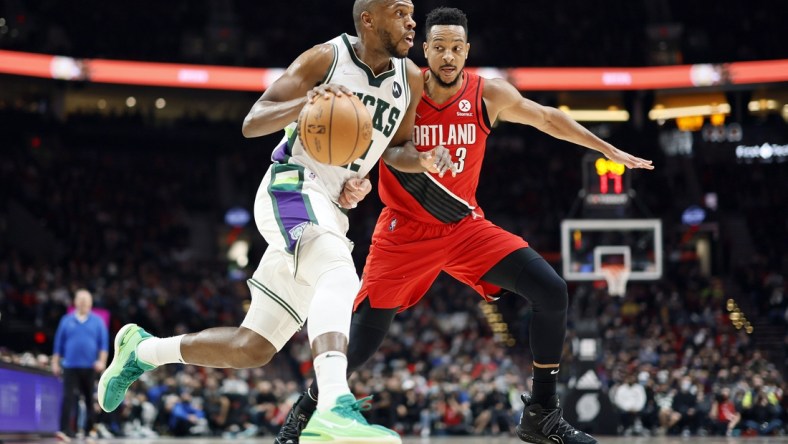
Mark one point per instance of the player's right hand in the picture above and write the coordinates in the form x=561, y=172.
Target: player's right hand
x=325, y=90
x=628, y=160
x=354, y=191
x=438, y=160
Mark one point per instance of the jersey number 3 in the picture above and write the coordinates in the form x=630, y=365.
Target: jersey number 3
x=460, y=155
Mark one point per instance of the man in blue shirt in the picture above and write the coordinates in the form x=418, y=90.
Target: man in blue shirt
x=81, y=345
x=187, y=418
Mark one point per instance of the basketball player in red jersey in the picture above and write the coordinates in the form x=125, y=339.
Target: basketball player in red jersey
x=432, y=223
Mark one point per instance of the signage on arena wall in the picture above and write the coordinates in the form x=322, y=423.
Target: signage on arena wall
x=749, y=144
x=258, y=79
x=675, y=142
x=765, y=153
x=731, y=132
x=29, y=402
x=693, y=215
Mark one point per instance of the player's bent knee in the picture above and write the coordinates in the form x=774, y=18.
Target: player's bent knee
x=322, y=251
x=251, y=349
x=550, y=293
x=560, y=295
x=556, y=292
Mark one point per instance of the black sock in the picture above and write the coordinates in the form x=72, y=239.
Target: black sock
x=307, y=404
x=545, y=380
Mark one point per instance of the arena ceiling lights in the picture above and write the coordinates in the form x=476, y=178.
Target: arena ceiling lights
x=612, y=114
x=676, y=106
x=593, y=106
x=768, y=101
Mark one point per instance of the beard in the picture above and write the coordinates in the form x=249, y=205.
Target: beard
x=390, y=45
x=440, y=81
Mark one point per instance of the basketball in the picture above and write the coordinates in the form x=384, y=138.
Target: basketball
x=335, y=130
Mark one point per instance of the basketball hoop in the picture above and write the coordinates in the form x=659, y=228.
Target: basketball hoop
x=616, y=276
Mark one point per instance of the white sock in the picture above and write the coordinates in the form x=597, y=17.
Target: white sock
x=331, y=373
x=159, y=351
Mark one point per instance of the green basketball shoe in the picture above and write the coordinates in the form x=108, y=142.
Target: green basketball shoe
x=124, y=369
x=344, y=424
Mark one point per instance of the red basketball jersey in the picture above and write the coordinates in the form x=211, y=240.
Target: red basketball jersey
x=461, y=125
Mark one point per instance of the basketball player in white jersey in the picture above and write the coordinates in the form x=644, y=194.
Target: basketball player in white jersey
x=307, y=270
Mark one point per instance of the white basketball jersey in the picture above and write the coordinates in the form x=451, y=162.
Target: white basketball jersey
x=386, y=97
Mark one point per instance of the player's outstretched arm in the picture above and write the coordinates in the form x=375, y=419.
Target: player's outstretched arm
x=504, y=102
x=280, y=104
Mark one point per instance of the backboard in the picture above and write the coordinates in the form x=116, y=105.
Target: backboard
x=588, y=245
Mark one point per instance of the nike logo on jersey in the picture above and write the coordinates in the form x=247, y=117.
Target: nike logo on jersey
x=554, y=372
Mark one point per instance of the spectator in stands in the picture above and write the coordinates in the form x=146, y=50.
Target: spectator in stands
x=630, y=398
x=762, y=415
x=723, y=414
x=685, y=404
x=409, y=410
x=140, y=417
x=703, y=408
x=81, y=348
x=650, y=413
x=263, y=409
x=187, y=417
x=668, y=417
x=454, y=416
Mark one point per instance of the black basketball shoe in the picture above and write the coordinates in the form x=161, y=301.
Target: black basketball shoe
x=296, y=420
x=545, y=425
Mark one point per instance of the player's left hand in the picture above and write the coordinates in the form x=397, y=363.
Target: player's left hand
x=628, y=160
x=438, y=160
x=325, y=90
x=355, y=190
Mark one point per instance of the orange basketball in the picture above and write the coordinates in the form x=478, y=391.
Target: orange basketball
x=335, y=130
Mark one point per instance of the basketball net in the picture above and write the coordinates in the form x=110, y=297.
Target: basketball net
x=616, y=277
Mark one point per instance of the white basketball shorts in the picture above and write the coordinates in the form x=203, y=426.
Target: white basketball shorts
x=292, y=212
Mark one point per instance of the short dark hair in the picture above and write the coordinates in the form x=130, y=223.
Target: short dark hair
x=360, y=6
x=445, y=16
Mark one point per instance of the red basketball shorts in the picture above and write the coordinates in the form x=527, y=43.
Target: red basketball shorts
x=407, y=255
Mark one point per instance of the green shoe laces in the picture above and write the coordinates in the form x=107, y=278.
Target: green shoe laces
x=353, y=409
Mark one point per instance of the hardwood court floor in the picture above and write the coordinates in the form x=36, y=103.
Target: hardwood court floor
x=436, y=440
